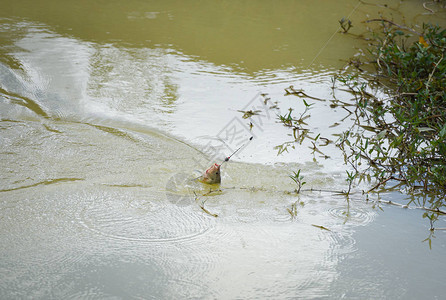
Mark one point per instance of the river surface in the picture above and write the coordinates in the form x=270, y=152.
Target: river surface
x=109, y=109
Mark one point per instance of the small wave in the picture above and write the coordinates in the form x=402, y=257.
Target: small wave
x=142, y=220
x=354, y=216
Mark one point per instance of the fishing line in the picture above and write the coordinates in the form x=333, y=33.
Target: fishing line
x=227, y=158
x=334, y=33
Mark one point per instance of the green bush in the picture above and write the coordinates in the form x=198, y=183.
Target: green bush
x=403, y=137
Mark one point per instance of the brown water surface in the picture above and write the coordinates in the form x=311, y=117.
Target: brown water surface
x=110, y=109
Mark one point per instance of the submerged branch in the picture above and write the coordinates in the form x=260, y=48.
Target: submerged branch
x=203, y=202
x=291, y=91
x=395, y=24
x=384, y=181
x=427, y=8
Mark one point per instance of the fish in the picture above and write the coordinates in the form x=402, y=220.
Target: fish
x=212, y=175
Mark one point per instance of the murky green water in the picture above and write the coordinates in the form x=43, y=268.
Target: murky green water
x=109, y=108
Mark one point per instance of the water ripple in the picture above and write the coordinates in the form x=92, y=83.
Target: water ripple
x=354, y=216
x=143, y=220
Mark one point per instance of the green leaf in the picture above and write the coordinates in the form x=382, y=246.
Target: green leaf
x=369, y=128
x=382, y=134
x=424, y=129
x=396, y=142
x=443, y=131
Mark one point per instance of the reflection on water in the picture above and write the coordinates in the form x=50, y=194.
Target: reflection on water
x=107, y=109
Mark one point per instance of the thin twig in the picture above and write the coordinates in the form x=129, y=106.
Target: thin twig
x=395, y=24
x=427, y=8
x=202, y=206
x=300, y=93
x=380, y=183
x=432, y=73
x=207, y=211
x=320, y=227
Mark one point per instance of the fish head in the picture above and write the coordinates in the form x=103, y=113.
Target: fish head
x=212, y=175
